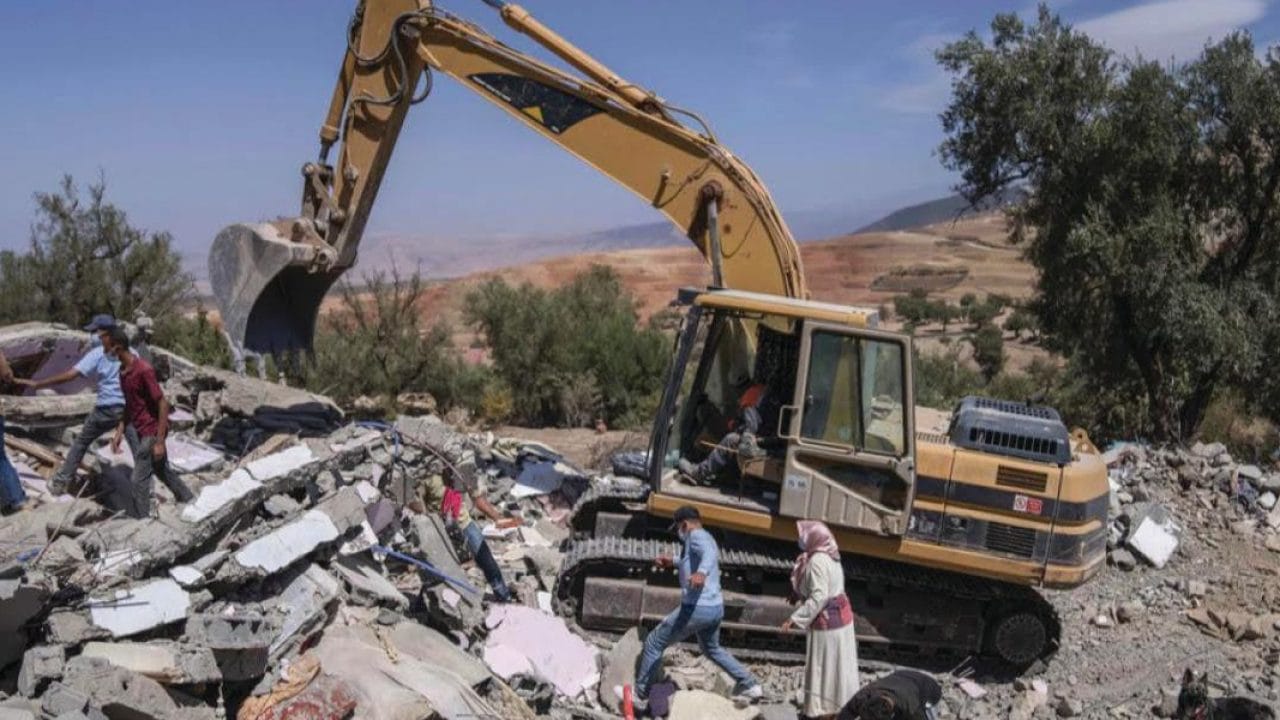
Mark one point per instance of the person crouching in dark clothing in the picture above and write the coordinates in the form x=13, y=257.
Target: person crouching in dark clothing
x=900, y=695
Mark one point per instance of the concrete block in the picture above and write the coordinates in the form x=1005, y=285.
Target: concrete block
x=40, y=665
x=140, y=608
x=16, y=713
x=119, y=692
x=186, y=576
x=239, y=642
x=1153, y=542
x=166, y=662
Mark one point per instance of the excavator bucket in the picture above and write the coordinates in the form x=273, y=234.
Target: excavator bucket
x=266, y=287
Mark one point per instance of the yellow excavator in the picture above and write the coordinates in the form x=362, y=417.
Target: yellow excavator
x=946, y=535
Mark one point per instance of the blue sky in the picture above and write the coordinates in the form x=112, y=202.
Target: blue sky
x=200, y=114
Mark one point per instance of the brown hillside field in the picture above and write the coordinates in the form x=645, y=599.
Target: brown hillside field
x=971, y=255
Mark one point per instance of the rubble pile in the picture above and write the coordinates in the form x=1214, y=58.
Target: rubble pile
x=1194, y=560
x=296, y=583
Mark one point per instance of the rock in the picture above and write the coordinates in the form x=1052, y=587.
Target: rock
x=1027, y=703
x=163, y=661
x=1273, y=543
x=620, y=668
x=1069, y=707
x=1168, y=706
x=1123, y=559
x=1130, y=610
x=778, y=712
x=1211, y=450
x=1102, y=620
x=1249, y=472
x=1197, y=589
x=1201, y=617
x=281, y=506
x=700, y=705
x=1243, y=527
x=1222, y=460
x=1257, y=628
x=1267, y=500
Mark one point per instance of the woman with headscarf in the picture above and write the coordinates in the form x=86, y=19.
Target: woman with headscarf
x=831, y=660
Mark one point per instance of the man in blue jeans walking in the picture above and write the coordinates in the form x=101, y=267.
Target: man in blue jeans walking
x=700, y=613
x=12, y=496
x=103, y=368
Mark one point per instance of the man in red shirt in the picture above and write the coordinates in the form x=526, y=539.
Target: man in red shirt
x=146, y=425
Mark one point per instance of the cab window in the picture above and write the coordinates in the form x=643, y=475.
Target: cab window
x=854, y=394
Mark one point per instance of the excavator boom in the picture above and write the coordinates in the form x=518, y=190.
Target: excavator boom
x=269, y=279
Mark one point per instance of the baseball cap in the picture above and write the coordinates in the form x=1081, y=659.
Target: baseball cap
x=684, y=512
x=100, y=322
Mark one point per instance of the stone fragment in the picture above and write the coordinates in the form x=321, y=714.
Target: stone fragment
x=1069, y=707
x=700, y=705
x=163, y=661
x=119, y=692
x=366, y=581
x=777, y=711
x=217, y=496
x=63, y=556
x=1249, y=472
x=1273, y=543
x=1197, y=589
x=1267, y=500
x=1209, y=450
x=40, y=665
x=1123, y=559
x=60, y=699
x=620, y=668
x=1130, y=610
x=140, y=608
x=8, y=712
x=281, y=506
x=1168, y=706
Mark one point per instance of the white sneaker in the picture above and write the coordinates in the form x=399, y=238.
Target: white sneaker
x=748, y=695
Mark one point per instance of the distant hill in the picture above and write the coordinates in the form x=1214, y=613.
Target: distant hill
x=933, y=212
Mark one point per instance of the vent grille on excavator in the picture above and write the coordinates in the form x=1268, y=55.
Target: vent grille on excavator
x=1022, y=479
x=1009, y=539
x=1001, y=427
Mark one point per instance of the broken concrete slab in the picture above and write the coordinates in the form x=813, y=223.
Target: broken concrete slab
x=526, y=641
x=20, y=600
x=186, y=576
x=164, y=661
x=216, y=496
x=141, y=607
x=428, y=645
x=280, y=464
x=324, y=698
x=368, y=582
x=60, y=699
x=279, y=549
x=306, y=601
x=40, y=665
x=411, y=687
x=119, y=692
x=620, y=668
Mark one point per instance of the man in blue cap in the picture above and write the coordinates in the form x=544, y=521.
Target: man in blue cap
x=700, y=613
x=103, y=368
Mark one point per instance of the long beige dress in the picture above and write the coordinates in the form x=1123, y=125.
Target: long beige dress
x=831, y=660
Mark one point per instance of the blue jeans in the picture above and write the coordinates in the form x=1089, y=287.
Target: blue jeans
x=11, y=492
x=701, y=620
x=473, y=536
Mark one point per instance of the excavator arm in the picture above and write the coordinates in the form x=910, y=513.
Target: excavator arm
x=269, y=279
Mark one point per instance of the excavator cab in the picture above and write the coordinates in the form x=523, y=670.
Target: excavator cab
x=835, y=441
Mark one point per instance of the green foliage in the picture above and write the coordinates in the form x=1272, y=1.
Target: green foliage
x=1153, y=199
x=942, y=379
x=1019, y=321
x=85, y=258
x=376, y=343
x=988, y=350
x=914, y=309
x=194, y=338
x=571, y=354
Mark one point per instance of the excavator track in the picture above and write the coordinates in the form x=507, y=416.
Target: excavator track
x=906, y=614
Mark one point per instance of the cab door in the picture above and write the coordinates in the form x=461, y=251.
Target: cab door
x=850, y=430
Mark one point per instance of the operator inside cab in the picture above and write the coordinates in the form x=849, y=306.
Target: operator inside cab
x=754, y=404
